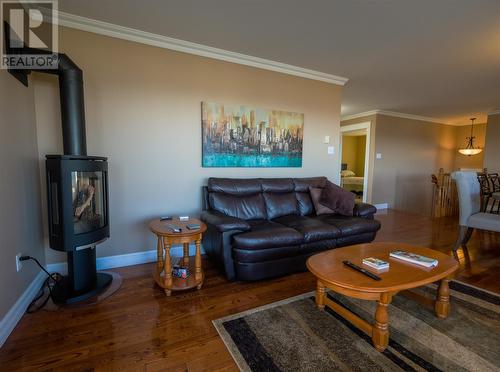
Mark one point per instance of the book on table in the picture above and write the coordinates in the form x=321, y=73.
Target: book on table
x=414, y=258
x=376, y=263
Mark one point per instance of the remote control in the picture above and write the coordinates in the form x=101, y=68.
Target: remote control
x=193, y=226
x=174, y=228
x=166, y=218
x=361, y=270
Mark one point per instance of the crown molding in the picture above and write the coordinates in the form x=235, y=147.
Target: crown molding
x=148, y=38
x=397, y=115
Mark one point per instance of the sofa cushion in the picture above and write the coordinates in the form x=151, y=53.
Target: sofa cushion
x=303, y=184
x=278, y=205
x=304, y=203
x=277, y=185
x=351, y=225
x=318, y=207
x=235, y=186
x=312, y=228
x=248, y=207
x=266, y=254
x=267, y=234
x=337, y=199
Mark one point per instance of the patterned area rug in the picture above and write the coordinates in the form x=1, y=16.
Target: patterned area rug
x=293, y=335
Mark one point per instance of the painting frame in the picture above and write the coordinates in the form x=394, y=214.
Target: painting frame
x=245, y=136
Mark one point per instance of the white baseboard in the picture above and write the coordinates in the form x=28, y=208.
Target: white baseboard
x=16, y=312
x=382, y=206
x=122, y=260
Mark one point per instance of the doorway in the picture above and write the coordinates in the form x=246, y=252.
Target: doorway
x=355, y=159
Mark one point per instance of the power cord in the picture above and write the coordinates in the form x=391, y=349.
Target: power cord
x=50, y=282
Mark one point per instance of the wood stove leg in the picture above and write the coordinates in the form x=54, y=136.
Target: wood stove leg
x=168, y=268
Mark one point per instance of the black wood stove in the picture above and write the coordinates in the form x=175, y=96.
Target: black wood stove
x=77, y=188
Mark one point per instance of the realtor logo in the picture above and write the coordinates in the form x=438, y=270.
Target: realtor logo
x=29, y=35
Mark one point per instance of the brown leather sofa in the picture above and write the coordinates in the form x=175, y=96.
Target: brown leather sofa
x=265, y=227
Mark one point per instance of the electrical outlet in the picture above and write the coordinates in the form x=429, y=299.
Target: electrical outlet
x=19, y=264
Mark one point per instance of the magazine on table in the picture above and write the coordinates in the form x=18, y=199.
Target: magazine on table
x=414, y=258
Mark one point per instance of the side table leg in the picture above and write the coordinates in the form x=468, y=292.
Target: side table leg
x=320, y=295
x=159, y=257
x=198, y=274
x=380, y=330
x=168, y=268
x=442, y=304
x=186, y=254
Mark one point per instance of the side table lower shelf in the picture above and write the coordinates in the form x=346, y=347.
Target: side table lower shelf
x=178, y=284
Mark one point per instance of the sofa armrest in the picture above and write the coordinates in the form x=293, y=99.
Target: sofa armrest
x=364, y=210
x=224, y=222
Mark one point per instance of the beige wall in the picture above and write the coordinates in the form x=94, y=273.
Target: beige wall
x=492, y=155
x=143, y=111
x=20, y=214
x=411, y=151
x=470, y=162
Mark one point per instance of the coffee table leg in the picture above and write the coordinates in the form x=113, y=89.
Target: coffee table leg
x=442, y=304
x=380, y=331
x=320, y=295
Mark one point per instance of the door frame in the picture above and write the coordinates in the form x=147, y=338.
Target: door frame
x=350, y=128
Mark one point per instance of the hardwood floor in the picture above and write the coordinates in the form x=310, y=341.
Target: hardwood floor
x=140, y=329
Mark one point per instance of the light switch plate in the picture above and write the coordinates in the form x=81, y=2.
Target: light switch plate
x=326, y=139
x=379, y=155
x=331, y=150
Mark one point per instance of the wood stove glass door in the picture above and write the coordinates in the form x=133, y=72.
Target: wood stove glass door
x=89, y=204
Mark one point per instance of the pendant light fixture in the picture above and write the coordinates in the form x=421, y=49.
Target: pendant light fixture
x=470, y=150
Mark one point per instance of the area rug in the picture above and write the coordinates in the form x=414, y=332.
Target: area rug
x=293, y=335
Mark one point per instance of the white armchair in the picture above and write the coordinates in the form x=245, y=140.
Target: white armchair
x=471, y=217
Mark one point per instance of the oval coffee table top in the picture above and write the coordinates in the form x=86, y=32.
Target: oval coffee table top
x=328, y=267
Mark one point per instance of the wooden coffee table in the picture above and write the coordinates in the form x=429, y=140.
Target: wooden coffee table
x=162, y=273
x=401, y=276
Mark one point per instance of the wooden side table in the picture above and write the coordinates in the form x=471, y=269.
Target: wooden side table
x=162, y=273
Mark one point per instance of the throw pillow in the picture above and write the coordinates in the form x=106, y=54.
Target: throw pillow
x=320, y=208
x=337, y=199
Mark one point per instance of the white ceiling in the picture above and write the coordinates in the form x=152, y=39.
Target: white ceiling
x=435, y=58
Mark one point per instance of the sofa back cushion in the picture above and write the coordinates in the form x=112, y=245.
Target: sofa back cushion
x=247, y=207
x=278, y=204
x=235, y=186
x=301, y=186
x=257, y=198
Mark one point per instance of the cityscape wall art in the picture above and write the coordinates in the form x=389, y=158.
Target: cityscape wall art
x=245, y=136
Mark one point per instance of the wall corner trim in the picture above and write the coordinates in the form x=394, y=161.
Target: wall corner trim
x=397, y=115
x=16, y=312
x=148, y=38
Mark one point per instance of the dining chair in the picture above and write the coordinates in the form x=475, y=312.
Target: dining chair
x=471, y=216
